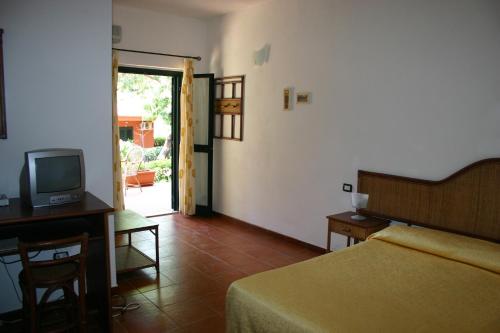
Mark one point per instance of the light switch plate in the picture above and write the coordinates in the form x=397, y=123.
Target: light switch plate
x=347, y=187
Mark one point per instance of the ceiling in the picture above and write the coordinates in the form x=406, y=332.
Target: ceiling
x=193, y=8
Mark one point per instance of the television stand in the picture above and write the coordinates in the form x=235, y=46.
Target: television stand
x=47, y=223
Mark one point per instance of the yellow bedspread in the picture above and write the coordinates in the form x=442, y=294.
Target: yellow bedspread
x=401, y=280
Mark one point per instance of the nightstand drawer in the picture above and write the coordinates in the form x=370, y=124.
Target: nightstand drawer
x=358, y=229
x=349, y=230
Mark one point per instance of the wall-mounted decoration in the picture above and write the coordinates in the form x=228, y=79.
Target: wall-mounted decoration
x=3, y=122
x=262, y=56
x=229, y=102
x=288, y=99
x=303, y=97
x=116, y=34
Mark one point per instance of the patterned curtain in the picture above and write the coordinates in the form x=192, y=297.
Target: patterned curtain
x=118, y=202
x=187, y=203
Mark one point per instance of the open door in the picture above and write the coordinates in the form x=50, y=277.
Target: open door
x=143, y=96
x=203, y=109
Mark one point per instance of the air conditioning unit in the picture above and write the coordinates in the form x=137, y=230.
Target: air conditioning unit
x=117, y=34
x=146, y=125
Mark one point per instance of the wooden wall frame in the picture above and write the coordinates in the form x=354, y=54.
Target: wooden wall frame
x=467, y=202
x=229, y=105
x=3, y=121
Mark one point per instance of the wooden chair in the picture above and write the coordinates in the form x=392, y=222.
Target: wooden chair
x=55, y=274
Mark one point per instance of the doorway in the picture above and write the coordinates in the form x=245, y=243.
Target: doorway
x=147, y=107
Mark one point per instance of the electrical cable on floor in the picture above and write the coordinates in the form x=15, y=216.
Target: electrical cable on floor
x=12, y=281
x=5, y=263
x=124, y=307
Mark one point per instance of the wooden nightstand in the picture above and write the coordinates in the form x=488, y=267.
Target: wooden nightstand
x=358, y=230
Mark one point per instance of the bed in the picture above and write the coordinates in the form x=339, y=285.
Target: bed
x=444, y=277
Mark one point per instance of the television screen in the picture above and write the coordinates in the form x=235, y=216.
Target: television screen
x=55, y=174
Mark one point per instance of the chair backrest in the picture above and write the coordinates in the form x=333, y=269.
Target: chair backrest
x=81, y=257
x=133, y=161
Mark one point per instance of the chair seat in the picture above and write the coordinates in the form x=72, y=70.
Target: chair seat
x=52, y=274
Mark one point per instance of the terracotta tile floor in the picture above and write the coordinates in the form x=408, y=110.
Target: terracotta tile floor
x=199, y=259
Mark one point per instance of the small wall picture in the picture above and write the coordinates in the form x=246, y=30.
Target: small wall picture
x=288, y=99
x=303, y=97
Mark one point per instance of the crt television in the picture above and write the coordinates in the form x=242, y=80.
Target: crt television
x=52, y=177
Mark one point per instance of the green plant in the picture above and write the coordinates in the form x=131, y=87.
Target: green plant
x=159, y=141
x=125, y=147
x=161, y=167
x=151, y=154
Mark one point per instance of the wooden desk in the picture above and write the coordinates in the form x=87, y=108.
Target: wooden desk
x=47, y=223
x=128, y=257
x=358, y=230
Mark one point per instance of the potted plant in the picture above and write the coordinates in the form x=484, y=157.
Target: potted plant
x=145, y=177
x=133, y=167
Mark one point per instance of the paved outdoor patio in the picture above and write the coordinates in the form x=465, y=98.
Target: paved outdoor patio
x=153, y=200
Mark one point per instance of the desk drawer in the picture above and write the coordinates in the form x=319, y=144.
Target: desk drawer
x=349, y=230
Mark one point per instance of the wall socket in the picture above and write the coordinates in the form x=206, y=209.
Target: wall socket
x=347, y=187
x=60, y=255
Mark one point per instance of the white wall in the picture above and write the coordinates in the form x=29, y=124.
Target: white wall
x=57, y=59
x=58, y=85
x=160, y=32
x=399, y=86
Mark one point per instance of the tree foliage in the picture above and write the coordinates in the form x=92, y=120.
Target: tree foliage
x=154, y=90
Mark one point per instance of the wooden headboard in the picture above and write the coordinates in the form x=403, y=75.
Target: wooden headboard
x=467, y=202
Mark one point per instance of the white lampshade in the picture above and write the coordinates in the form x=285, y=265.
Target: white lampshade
x=359, y=200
